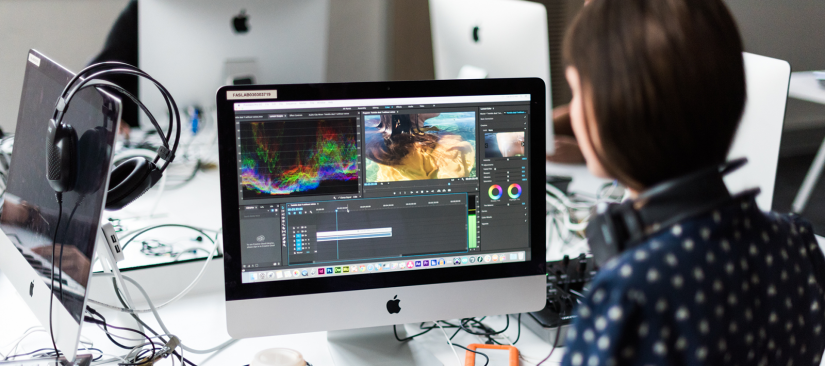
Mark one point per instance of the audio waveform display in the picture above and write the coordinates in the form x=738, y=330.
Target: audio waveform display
x=298, y=158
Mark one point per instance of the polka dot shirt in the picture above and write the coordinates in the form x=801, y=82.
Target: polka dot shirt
x=734, y=286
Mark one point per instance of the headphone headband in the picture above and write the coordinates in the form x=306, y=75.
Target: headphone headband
x=128, y=181
x=166, y=153
x=618, y=227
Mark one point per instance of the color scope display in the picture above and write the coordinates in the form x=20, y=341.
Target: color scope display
x=298, y=158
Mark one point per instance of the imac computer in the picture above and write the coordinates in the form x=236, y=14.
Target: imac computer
x=475, y=39
x=35, y=228
x=372, y=204
x=760, y=129
x=194, y=47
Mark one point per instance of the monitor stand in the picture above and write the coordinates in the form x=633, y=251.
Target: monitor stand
x=377, y=346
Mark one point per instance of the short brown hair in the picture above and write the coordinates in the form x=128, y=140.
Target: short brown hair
x=667, y=83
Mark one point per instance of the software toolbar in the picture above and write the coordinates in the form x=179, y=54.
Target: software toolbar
x=382, y=267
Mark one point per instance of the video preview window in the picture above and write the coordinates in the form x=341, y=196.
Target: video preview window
x=299, y=158
x=402, y=147
x=504, y=144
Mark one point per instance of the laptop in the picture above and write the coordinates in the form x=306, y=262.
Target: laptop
x=30, y=211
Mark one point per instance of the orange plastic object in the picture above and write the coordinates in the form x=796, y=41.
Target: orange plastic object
x=470, y=359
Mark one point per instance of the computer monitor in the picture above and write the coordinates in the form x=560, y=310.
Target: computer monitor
x=30, y=212
x=193, y=47
x=369, y=204
x=475, y=39
x=760, y=129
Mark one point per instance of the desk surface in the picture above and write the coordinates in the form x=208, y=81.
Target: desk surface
x=199, y=319
x=805, y=87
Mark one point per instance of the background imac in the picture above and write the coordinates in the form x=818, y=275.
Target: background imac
x=476, y=39
x=193, y=47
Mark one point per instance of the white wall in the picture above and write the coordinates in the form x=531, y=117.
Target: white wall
x=69, y=31
x=791, y=30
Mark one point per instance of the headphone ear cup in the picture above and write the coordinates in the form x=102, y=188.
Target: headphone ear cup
x=91, y=149
x=130, y=180
x=605, y=234
x=61, y=157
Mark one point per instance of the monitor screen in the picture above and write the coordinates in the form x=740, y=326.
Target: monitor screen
x=357, y=187
x=30, y=212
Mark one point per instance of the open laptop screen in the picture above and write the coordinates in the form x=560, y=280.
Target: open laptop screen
x=30, y=210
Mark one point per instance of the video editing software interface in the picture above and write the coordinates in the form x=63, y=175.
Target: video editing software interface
x=344, y=187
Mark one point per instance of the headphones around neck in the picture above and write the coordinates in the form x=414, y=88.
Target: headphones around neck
x=130, y=179
x=621, y=226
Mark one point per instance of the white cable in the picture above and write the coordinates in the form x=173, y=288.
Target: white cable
x=176, y=298
x=26, y=334
x=123, y=235
x=457, y=360
x=112, y=359
x=154, y=311
x=191, y=250
x=560, y=206
x=563, y=197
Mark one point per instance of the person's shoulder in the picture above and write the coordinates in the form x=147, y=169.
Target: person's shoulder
x=634, y=272
x=795, y=224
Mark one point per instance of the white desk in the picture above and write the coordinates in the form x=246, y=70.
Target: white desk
x=199, y=318
x=805, y=87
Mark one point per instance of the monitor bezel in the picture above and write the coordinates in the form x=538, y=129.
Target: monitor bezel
x=236, y=290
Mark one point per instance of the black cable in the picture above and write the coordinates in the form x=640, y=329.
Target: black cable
x=410, y=337
x=31, y=353
x=487, y=359
x=518, y=335
x=555, y=344
x=62, y=245
x=463, y=326
x=59, y=197
x=51, y=352
x=141, y=322
x=105, y=328
x=92, y=320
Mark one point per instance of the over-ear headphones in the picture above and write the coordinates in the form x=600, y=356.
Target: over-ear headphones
x=129, y=179
x=621, y=226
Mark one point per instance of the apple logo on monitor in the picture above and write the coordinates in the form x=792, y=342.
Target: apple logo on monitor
x=475, y=34
x=392, y=305
x=240, y=23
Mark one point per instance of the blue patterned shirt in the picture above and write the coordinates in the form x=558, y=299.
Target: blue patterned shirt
x=733, y=286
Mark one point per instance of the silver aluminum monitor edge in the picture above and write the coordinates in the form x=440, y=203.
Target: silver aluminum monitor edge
x=368, y=308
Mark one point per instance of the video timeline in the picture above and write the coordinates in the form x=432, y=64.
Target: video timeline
x=381, y=267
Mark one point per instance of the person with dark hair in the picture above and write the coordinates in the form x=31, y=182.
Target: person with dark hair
x=122, y=45
x=658, y=90
x=406, y=149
